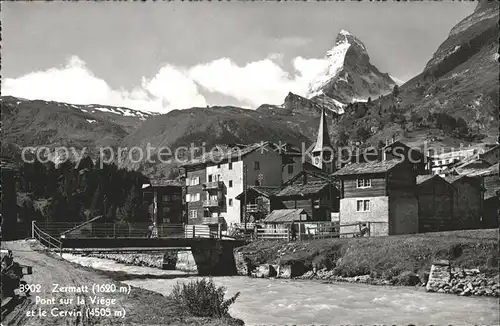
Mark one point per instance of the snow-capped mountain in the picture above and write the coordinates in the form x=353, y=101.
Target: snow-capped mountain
x=348, y=75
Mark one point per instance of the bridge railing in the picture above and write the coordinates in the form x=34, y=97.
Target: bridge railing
x=124, y=230
x=46, y=239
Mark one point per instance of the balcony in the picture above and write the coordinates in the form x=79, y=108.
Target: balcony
x=253, y=208
x=211, y=203
x=213, y=220
x=214, y=185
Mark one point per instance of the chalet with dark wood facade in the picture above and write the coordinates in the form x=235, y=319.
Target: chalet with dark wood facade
x=164, y=198
x=435, y=204
x=400, y=151
x=314, y=192
x=467, y=201
x=381, y=193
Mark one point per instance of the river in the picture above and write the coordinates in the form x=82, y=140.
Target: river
x=268, y=301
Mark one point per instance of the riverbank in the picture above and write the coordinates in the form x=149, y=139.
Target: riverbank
x=125, y=305
x=394, y=260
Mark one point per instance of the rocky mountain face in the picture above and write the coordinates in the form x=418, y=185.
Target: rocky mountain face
x=455, y=98
x=461, y=78
x=349, y=75
x=53, y=124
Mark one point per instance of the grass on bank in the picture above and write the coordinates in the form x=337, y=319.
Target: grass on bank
x=393, y=258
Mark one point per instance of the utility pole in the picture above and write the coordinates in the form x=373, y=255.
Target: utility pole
x=245, y=192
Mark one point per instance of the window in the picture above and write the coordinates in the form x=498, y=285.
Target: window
x=230, y=166
x=290, y=169
x=364, y=183
x=230, y=202
x=188, y=198
x=257, y=182
x=363, y=205
x=218, y=166
x=196, y=181
x=256, y=165
x=188, y=182
x=197, y=197
x=209, y=178
x=165, y=198
x=230, y=183
x=193, y=213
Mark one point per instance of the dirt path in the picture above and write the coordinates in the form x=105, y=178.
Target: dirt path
x=119, y=306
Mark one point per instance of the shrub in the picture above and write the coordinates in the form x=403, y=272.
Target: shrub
x=407, y=278
x=202, y=298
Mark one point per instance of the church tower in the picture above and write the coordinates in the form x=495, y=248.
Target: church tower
x=323, y=156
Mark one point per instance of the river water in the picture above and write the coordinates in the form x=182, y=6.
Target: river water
x=278, y=301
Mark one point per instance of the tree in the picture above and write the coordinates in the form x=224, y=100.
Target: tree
x=395, y=91
x=131, y=209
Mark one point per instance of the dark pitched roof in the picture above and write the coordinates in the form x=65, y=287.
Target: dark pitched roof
x=226, y=152
x=423, y=178
x=302, y=189
x=492, y=170
x=284, y=215
x=490, y=193
x=265, y=191
x=165, y=183
x=367, y=168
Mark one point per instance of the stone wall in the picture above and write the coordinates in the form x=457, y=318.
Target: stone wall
x=148, y=260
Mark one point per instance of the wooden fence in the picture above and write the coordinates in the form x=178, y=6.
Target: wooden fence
x=311, y=231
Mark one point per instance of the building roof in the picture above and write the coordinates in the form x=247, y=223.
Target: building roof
x=490, y=193
x=165, y=183
x=401, y=144
x=367, y=168
x=323, y=138
x=302, y=189
x=262, y=190
x=423, y=178
x=226, y=152
x=284, y=215
x=492, y=170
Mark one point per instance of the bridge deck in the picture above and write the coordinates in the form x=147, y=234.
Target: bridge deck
x=155, y=243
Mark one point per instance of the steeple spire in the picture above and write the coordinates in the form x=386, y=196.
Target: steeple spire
x=323, y=138
x=323, y=149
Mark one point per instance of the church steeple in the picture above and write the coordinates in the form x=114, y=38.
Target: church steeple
x=322, y=152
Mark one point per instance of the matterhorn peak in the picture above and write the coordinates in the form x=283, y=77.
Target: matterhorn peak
x=348, y=74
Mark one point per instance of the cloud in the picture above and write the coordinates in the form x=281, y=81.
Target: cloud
x=173, y=87
x=257, y=82
x=74, y=83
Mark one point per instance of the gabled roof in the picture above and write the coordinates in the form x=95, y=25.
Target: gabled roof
x=473, y=180
x=492, y=170
x=226, y=152
x=367, y=168
x=423, y=178
x=401, y=144
x=312, y=172
x=261, y=190
x=165, y=183
x=302, y=189
x=284, y=215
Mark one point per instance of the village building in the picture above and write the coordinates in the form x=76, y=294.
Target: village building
x=397, y=150
x=215, y=179
x=379, y=194
x=435, y=204
x=314, y=192
x=492, y=155
x=467, y=201
x=445, y=160
x=165, y=201
x=491, y=183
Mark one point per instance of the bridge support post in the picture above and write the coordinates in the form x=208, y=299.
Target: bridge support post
x=33, y=229
x=219, y=231
x=194, y=230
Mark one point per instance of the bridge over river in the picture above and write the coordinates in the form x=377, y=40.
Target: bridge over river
x=209, y=250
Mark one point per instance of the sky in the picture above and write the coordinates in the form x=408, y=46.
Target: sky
x=159, y=56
